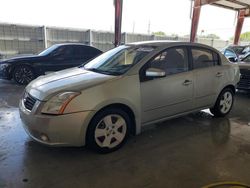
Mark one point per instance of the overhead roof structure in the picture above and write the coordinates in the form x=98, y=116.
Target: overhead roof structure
x=232, y=4
x=241, y=6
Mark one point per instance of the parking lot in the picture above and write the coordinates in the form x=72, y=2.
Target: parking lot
x=191, y=151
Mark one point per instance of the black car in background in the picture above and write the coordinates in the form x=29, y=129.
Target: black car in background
x=235, y=53
x=57, y=57
x=244, y=66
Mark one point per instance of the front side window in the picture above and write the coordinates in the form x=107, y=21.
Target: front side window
x=63, y=51
x=118, y=60
x=49, y=50
x=203, y=58
x=172, y=61
x=68, y=52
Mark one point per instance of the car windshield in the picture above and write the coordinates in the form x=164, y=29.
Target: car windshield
x=238, y=49
x=118, y=60
x=48, y=50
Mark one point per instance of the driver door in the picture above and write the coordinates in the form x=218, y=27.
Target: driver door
x=170, y=95
x=61, y=58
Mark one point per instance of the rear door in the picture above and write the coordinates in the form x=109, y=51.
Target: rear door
x=208, y=76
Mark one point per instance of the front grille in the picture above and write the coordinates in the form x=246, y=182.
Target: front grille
x=28, y=101
x=245, y=79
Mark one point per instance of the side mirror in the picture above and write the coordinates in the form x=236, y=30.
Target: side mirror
x=156, y=73
x=233, y=59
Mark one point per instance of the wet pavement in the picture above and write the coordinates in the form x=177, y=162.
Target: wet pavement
x=191, y=151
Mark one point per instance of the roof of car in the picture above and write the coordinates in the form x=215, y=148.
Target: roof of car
x=154, y=42
x=65, y=44
x=77, y=44
x=234, y=45
x=160, y=43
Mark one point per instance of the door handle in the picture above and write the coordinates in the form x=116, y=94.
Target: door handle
x=187, y=82
x=219, y=74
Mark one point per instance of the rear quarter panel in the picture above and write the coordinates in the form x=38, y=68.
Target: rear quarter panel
x=231, y=75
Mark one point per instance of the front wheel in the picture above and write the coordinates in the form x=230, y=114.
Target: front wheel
x=224, y=103
x=108, y=130
x=23, y=75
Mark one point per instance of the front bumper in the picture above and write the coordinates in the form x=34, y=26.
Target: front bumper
x=61, y=130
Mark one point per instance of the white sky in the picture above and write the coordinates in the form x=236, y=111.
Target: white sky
x=163, y=15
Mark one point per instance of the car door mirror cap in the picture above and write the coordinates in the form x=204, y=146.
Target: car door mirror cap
x=233, y=59
x=155, y=72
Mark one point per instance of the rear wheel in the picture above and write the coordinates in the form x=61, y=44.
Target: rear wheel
x=23, y=75
x=108, y=130
x=224, y=103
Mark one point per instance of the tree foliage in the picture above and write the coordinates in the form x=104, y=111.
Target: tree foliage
x=245, y=36
x=159, y=33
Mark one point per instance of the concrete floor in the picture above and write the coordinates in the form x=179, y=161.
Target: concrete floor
x=191, y=151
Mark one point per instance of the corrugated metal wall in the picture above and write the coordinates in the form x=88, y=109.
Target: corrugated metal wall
x=63, y=35
x=26, y=39
x=102, y=40
x=20, y=39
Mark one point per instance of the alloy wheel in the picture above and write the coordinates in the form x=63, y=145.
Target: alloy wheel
x=226, y=102
x=110, y=131
x=24, y=75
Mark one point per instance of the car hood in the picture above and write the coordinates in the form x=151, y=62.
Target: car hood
x=21, y=58
x=74, y=79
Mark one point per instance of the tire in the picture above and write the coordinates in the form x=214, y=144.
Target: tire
x=23, y=74
x=108, y=130
x=224, y=103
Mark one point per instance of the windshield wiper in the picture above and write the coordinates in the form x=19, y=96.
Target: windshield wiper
x=101, y=71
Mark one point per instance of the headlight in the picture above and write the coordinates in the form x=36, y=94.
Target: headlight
x=58, y=103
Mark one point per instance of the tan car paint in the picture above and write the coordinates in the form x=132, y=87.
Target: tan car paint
x=151, y=101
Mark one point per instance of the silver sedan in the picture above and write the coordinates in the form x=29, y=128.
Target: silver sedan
x=125, y=89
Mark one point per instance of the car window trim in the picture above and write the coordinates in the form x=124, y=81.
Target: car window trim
x=213, y=52
x=231, y=51
x=143, y=78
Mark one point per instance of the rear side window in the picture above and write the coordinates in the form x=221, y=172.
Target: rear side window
x=89, y=51
x=85, y=52
x=203, y=58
